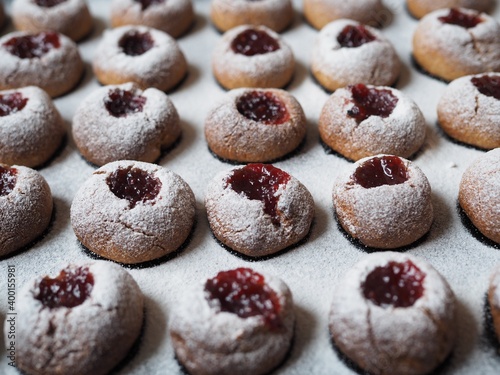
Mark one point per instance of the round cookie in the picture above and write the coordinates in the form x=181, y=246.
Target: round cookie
x=383, y=201
x=494, y=299
x=258, y=209
x=139, y=54
x=321, y=12
x=69, y=17
x=274, y=14
x=359, y=121
x=420, y=8
x=479, y=194
x=252, y=56
x=239, y=322
x=173, y=17
x=132, y=212
x=83, y=321
x=394, y=314
x=469, y=110
x=31, y=128
x=25, y=207
x=451, y=43
x=48, y=60
x=123, y=122
x=255, y=125
x=347, y=52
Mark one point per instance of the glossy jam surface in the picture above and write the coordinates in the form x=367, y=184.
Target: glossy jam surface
x=69, y=289
x=12, y=103
x=254, y=42
x=32, y=46
x=134, y=185
x=135, y=43
x=395, y=284
x=8, y=179
x=488, y=85
x=245, y=293
x=465, y=20
x=353, y=36
x=121, y=103
x=260, y=182
x=378, y=171
x=48, y=3
x=145, y=4
x=262, y=107
x=371, y=102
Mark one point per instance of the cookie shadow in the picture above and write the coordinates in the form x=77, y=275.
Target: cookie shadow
x=299, y=76
x=181, y=145
x=305, y=328
x=471, y=228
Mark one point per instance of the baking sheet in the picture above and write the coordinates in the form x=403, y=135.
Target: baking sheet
x=312, y=269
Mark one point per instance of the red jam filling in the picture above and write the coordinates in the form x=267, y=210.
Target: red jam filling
x=12, y=103
x=32, y=46
x=378, y=171
x=254, y=42
x=488, y=85
x=8, y=179
x=465, y=20
x=135, y=43
x=354, y=36
x=245, y=293
x=121, y=103
x=262, y=107
x=260, y=182
x=147, y=3
x=396, y=284
x=134, y=185
x=49, y=3
x=69, y=289
x=371, y=102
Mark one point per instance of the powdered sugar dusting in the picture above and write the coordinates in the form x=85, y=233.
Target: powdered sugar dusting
x=103, y=138
x=108, y=321
x=374, y=63
x=402, y=133
x=232, y=136
x=468, y=115
x=219, y=342
x=273, y=69
x=108, y=226
x=30, y=136
x=386, y=216
x=408, y=340
x=242, y=224
x=162, y=66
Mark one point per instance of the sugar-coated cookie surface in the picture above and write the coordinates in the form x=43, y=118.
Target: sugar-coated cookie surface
x=479, y=194
x=321, y=12
x=139, y=54
x=171, y=16
x=87, y=330
x=258, y=210
x=419, y=8
x=212, y=336
x=252, y=56
x=274, y=14
x=255, y=125
x=393, y=314
x=25, y=207
x=469, y=110
x=383, y=201
x=133, y=212
x=346, y=53
x=451, y=43
x=360, y=121
x=48, y=60
x=123, y=122
x=69, y=17
x=31, y=128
